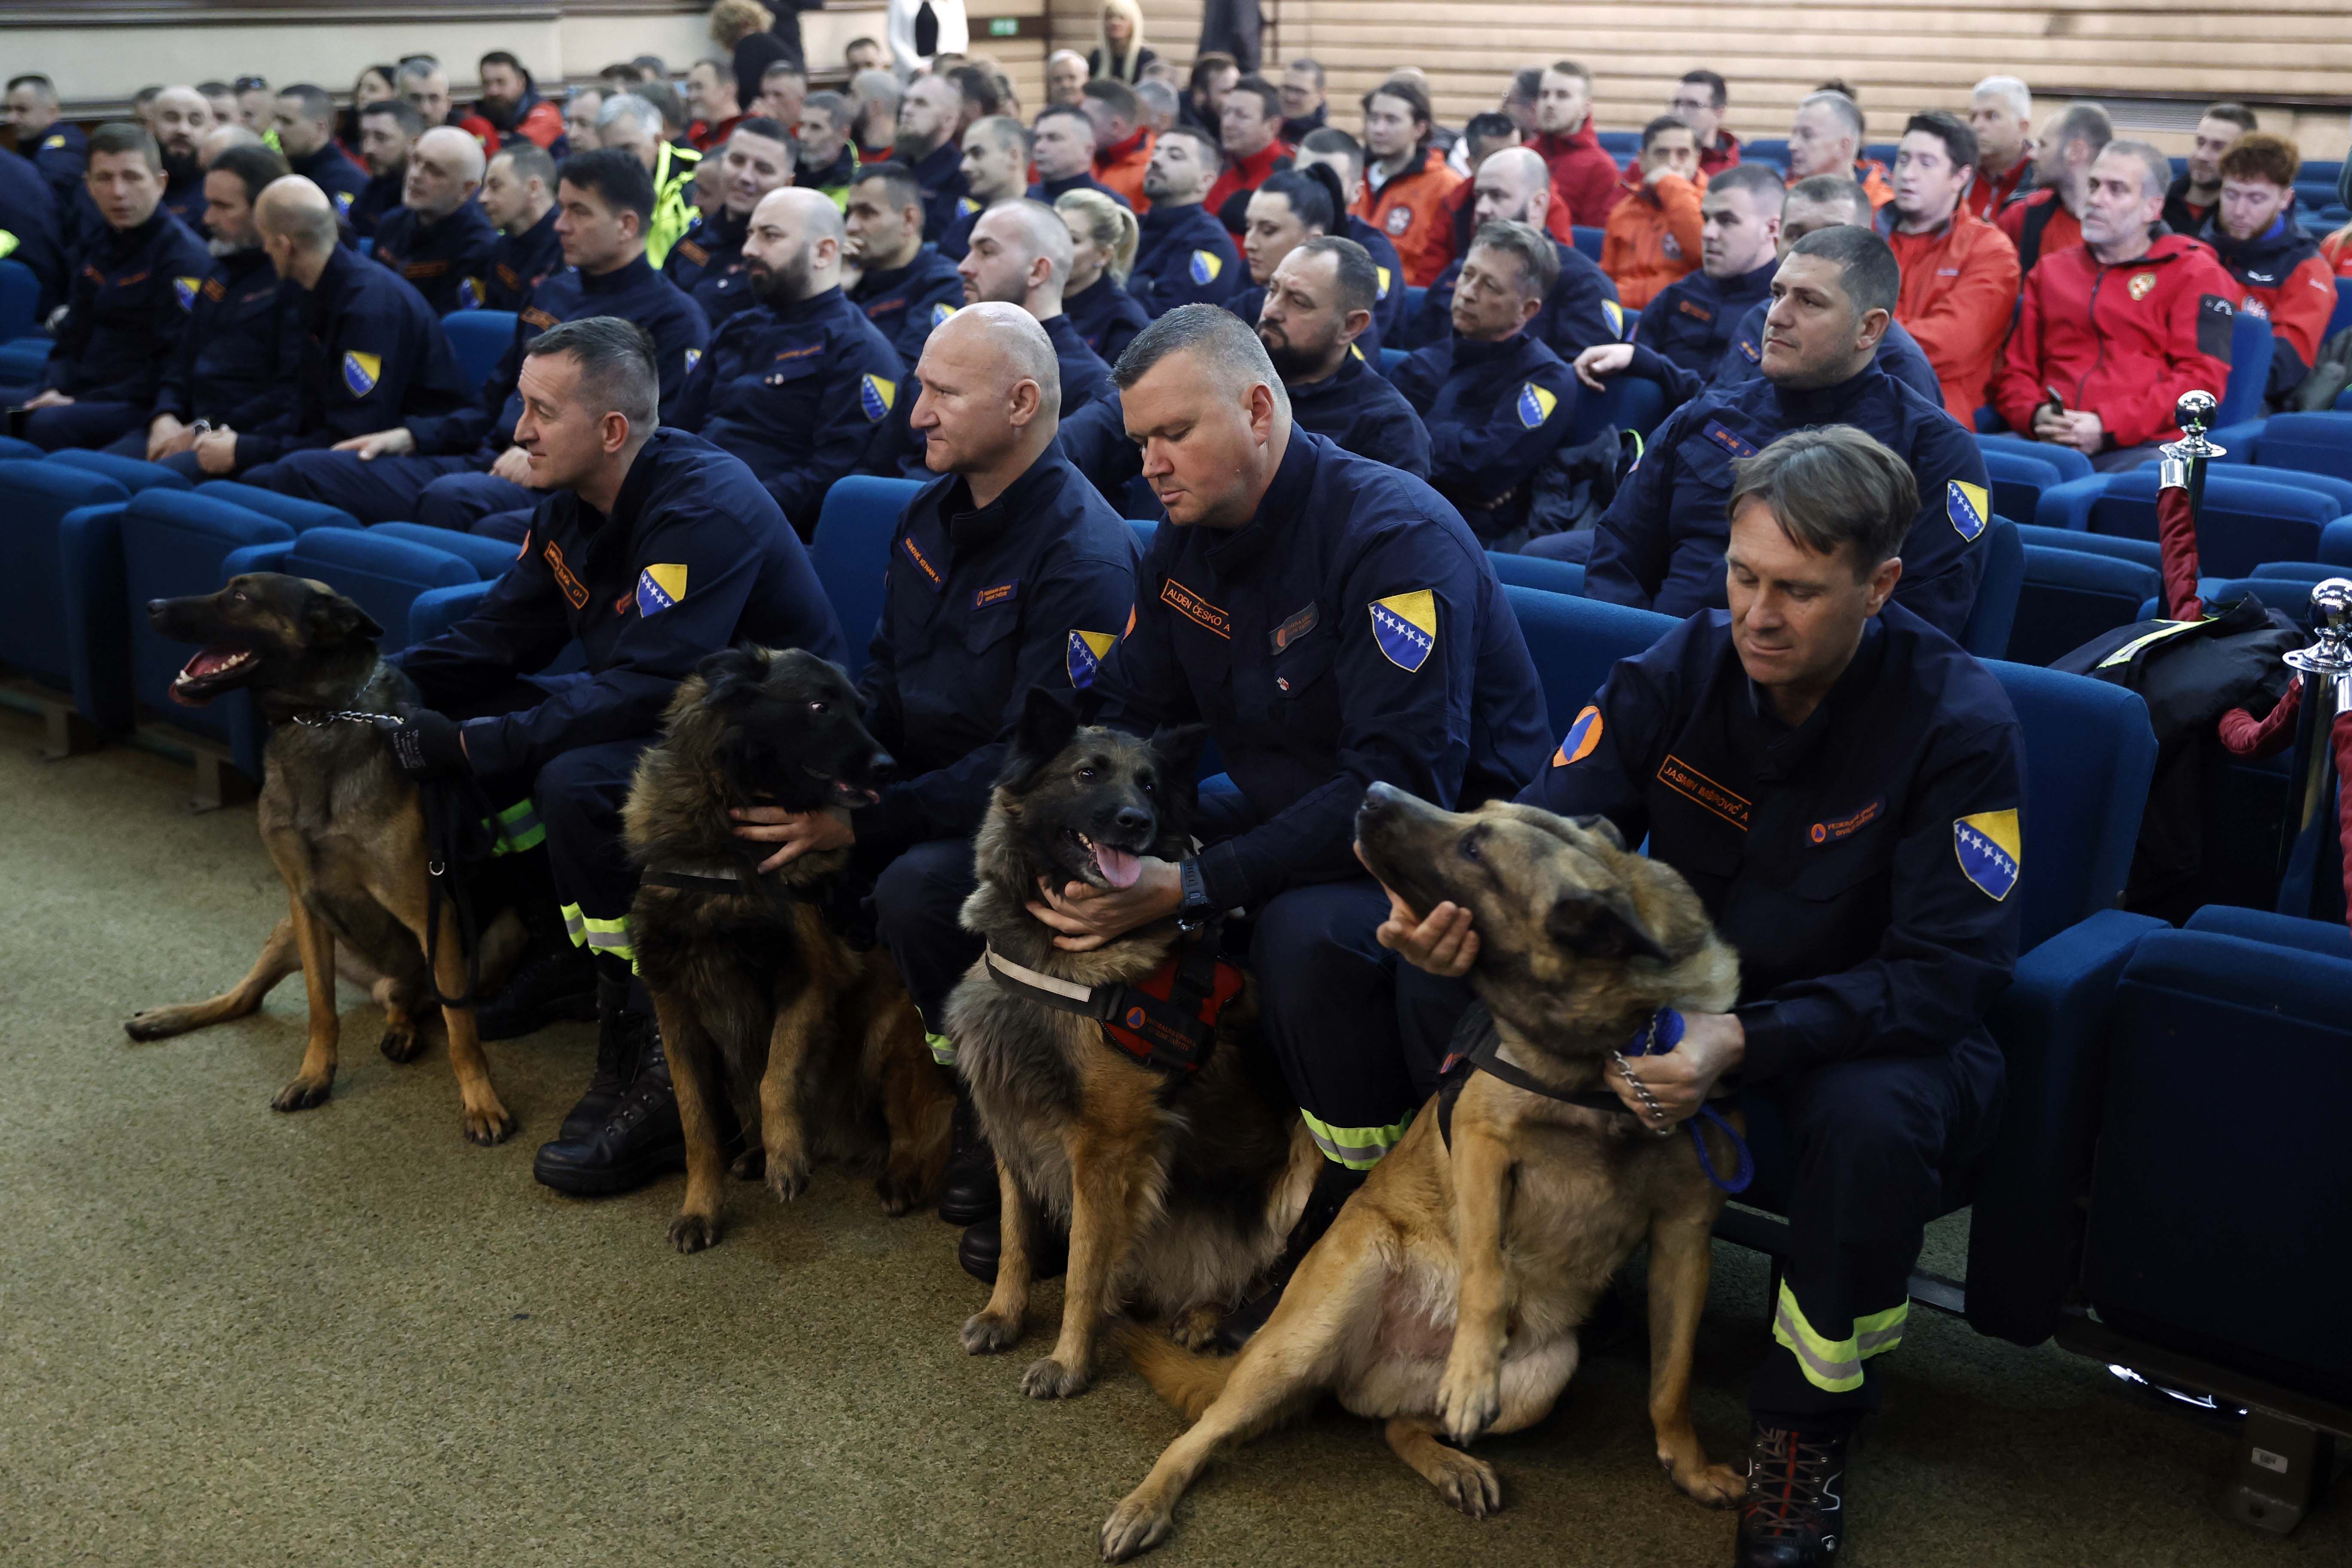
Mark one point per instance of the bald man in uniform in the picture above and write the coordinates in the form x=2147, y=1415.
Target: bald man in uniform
x=438, y=238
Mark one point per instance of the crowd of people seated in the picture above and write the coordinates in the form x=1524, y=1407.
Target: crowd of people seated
x=1348, y=356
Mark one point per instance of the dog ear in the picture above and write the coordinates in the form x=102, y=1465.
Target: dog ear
x=732, y=674
x=1178, y=748
x=1603, y=924
x=1048, y=720
x=331, y=618
x=1602, y=827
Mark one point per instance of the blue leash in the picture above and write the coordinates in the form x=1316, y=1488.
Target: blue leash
x=1665, y=1032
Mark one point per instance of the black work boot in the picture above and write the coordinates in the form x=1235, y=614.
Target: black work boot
x=555, y=981
x=618, y=1037
x=639, y=1139
x=1334, y=1184
x=968, y=1189
x=1794, y=1513
x=984, y=1243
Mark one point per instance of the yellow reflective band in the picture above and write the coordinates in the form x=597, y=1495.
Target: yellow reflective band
x=1357, y=1148
x=942, y=1048
x=1835, y=1365
x=598, y=935
x=516, y=830
x=2124, y=654
x=8, y=242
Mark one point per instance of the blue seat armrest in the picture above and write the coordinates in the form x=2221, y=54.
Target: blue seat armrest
x=2051, y=1027
x=2242, y=439
x=98, y=622
x=435, y=610
x=2069, y=505
x=270, y=557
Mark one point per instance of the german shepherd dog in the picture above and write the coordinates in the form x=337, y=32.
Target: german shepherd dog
x=1179, y=1189
x=345, y=829
x=747, y=975
x=1445, y=1298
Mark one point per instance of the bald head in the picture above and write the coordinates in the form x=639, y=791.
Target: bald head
x=991, y=396
x=1021, y=254
x=464, y=153
x=1513, y=185
x=220, y=139
x=179, y=116
x=444, y=168
x=793, y=247
x=296, y=222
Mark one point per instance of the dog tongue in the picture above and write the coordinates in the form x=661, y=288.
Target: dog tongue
x=1119, y=868
x=211, y=661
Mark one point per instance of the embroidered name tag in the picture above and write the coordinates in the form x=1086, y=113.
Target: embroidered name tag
x=1685, y=779
x=1291, y=630
x=922, y=563
x=1194, y=608
x=1833, y=830
x=996, y=596
x=574, y=590
x=1730, y=443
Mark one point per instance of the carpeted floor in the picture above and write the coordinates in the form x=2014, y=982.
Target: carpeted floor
x=229, y=1336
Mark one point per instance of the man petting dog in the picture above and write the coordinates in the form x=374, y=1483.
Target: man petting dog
x=652, y=549
x=1840, y=783
x=1008, y=571
x=1335, y=624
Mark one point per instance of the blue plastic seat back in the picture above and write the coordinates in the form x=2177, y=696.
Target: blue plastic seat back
x=2068, y=596
x=435, y=610
x=12, y=449
x=2250, y=347
x=1619, y=144
x=177, y=543
x=1576, y=642
x=1630, y=404
x=292, y=511
x=2247, y=517
x=1536, y=571
x=20, y=297
x=1994, y=614
x=37, y=496
x=478, y=337
x=2018, y=480
x=2070, y=463
x=852, y=549
x=134, y=474
x=1415, y=299
x=488, y=557
x=1772, y=150
x=1586, y=241
x=2145, y=552
x=1390, y=360
x=1145, y=530
x=2090, y=752
x=2308, y=443
x=381, y=573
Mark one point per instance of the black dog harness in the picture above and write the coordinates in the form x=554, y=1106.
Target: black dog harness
x=1167, y=1020
x=842, y=904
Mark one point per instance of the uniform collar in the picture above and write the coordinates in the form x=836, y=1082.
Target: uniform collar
x=1748, y=287
x=816, y=307
x=837, y=173
x=1822, y=404
x=1163, y=217
x=1351, y=370
x=630, y=274
x=333, y=277
x=1286, y=497
x=972, y=527
x=541, y=232
x=1779, y=750
x=632, y=496
x=1468, y=352
x=129, y=241
x=934, y=166
x=724, y=231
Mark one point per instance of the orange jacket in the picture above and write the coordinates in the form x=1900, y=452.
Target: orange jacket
x=1411, y=210
x=1959, y=290
x=2040, y=226
x=1121, y=168
x=1652, y=237
x=2337, y=251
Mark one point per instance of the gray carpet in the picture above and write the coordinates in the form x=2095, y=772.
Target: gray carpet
x=230, y=1336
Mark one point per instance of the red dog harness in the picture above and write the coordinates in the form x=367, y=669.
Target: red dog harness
x=1167, y=1020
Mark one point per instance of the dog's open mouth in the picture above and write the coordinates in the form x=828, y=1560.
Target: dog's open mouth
x=206, y=674
x=844, y=794
x=1117, y=867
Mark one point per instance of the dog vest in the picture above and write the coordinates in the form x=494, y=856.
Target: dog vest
x=842, y=903
x=1167, y=1020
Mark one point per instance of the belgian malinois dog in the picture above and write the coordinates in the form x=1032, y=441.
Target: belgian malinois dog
x=345, y=829
x=1445, y=1298
x=1179, y=1186
x=749, y=970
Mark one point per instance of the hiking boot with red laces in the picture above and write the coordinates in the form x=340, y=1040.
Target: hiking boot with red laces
x=1794, y=1513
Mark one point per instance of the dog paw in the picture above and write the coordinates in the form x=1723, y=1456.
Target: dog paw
x=1715, y=1486
x=488, y=1125
x=303, y=1094
x=900, y=1187
x=1049, y=1379
x=1135, y=1527
x=154, y=1023
x=402, y=1044
x=1468, y=1401
x=693, y=1232
x=1195, y=1328
x=788, y=1179
x=1468, y=1484
x=749, y=1165
x=986, y=1333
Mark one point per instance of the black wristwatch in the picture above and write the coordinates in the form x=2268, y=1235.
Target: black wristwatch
x=1194, y=911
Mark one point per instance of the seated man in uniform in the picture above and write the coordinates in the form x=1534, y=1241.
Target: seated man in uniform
x=388, y=131
x=1185, y=257
x=437, y=238
x=1334, y=623
x=1660, y=544
x=1690, y=322
x=995, y=169
x=1008, y=571
x=905, y=288
x=708, y=259
x=1841, y=784
x=304, y=120
x=1580, y=311
x=652, y=550
x=519, y=197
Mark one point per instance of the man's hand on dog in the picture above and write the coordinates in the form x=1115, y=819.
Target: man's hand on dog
x=799, y=832
x=426, y=745
x=1441, y=943
x=1681, y=1079
x=1089, y=917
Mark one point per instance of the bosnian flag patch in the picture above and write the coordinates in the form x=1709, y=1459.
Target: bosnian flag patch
x=659, y=587
x=1206, y=265
x=1969, y=507
x=1534, y=406
x=185, y=290
x=1088, y=650
x=1988, y=848
x=361, y=371
x=1405, y=626
x=875, y=396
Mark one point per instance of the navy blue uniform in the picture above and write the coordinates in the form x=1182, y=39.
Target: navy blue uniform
x=1691, y=321
x=897, y=448
x=1250, y=304
x=1581, y=310
x=1899, y=355
x=184, y=198
x=378, y=196
x=241, y=357
x=954, y=242
x=447, y=262
x=1185, y=257
x=1495, y=411
x=126, y=308
x=707, y=261
x=939, y=173
x=1106, y=316
x=29, y=232
x=1052, y=191
x=334, y=174
x=1352, y=631
x=906, y=303
x=693, y=558
x=981, y=605
x=1864, y=865
x=445, y=481
x=61, y=157
x=795, y=390
x=1388, y=299
x=520, y=263
x=1660, y=544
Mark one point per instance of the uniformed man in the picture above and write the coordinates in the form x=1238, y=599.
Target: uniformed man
x=651, y=550
x=1841, y=784
x=1344, y=156
x=127, y=303
x=1514, y=186
x=304, y=122
x=45, y=138
x=1062, y=151
x=1184, y=256
x=631, y=124
x=1008, y=572
x=458, y=468
x=797, y=386
x=905, y=287
x=180, y=117
x=519, y=198
x=1496, y=401
x=438, y=239
x=1660, y=544
x=708, y=259
x=828, y=162
x=241, y=357
x=373, y=352
x=995, y=169
x=1334, y=623
x=30, y=232
x=927, y=120
x=388, y=133
x=1288, y=208
x=1691, y=319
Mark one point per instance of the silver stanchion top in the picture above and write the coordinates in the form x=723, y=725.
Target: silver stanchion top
x=2194, y=414
x=2331, y=614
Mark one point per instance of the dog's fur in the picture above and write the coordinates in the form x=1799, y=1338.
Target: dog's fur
x=1178, y=1191
x=345, y=829
x=759, y=983
x=1445, y=1298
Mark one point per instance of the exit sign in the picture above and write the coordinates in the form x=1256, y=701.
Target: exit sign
x=1004, y=26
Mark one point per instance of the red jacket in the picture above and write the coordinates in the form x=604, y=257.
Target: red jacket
x=537, y=121
x=1958, y=285
x=1411, y=210
x=2123, y=342
x=1246, y=174
x=1582, y=173
x=1714, y=159
x=2283, y=277
x=2040, y=226
x=1987, y=197
x=1652, y=239
x=2337, y=251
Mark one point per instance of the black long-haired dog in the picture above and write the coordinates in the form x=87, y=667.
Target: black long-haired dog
x=749, y=977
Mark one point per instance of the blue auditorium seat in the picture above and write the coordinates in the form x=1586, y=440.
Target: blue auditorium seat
x=1538, y=572
x=1880, y=152
x=1576, y=642
x=2070, y=463
x=488, y=557
x=2306, y=443
x=1619, y=144
x=23, y=362
x=1588, y=240
x=1772, y=150
x=1391, y=358
x=1414, y=299
x=134, y=474
x=435, y=610
x=1994, y=614
x=382, y=573
x=2250, y=347
x=20, y=298
x=478, y=337
x=2146, y=552
x=37, y=497
x=1630, y=404
x=851, y=550
x=2069, y=596
x=2018, y=480
x=2336, y=543
x=1145, y=530
x=11, y=448
x=293, y=511
x=2248, y=516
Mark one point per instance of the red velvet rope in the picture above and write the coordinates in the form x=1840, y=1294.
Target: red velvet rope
x=2341, y=734
x=2247, y=736
x=2176, y=534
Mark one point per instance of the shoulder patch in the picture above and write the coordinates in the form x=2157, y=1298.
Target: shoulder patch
x=342, y=201
x=1969, y=507
x=1988, y=850
x=1405, y=626
x=875, y=395
x=1737, y=446
x=1206, y=265
x=1400, y=218
x=185, y=290
x=56, y=141
x=2141, y=283
x=693, y=358
x=966, y=206
x=2215, y=327
x=659, y=587
x=1088, y=650
x=1616, y=314
x=1383, y=291
x=939, y=314
x=1581, y=737
x=360, y=372
x=470, y=293
x=1535, y=405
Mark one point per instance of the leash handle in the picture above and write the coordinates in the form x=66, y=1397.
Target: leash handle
x=1741, y=1175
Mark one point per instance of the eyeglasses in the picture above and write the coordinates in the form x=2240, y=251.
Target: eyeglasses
x=252, y=84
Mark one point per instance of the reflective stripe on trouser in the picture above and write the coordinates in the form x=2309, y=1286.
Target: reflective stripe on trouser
x=1836, y=1364
x=516, y=830
x=942, y=1049
x=1357, y=1148
x=598, y=935
x=1328, y=1001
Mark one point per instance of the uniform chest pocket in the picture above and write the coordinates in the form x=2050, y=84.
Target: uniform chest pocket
x=987, y=629
x=1302, y=672
x=1830, y=873
x=792, y=366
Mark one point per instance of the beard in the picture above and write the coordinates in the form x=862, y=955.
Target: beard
x=223, y=249
x=1291, y=361
x=787, y=285
x=180, y=167
x=912, y=149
